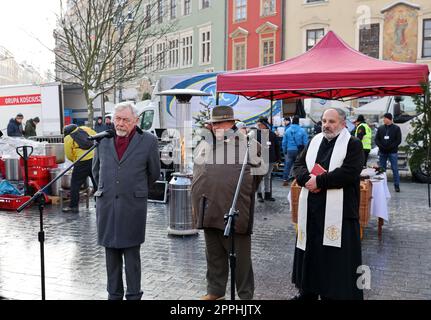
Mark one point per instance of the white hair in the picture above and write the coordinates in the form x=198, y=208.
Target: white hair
x=126, y=105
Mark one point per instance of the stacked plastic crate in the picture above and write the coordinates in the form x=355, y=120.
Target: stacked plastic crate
x=38, y=169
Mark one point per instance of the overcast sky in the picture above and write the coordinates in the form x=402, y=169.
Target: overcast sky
x=21, y=22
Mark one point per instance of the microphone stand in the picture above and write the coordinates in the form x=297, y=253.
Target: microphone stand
x=230, y=220
x=40, y=200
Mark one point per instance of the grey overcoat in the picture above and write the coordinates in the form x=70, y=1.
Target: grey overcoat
x=121, y=198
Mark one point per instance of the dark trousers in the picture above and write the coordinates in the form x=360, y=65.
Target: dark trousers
x=80, y=173
x=114, y=268
x=217, y=254
x=366, y=154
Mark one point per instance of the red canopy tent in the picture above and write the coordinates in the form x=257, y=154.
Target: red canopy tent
x=330, y=70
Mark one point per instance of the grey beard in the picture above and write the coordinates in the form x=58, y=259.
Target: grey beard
x=331, y=136
x=121, y=133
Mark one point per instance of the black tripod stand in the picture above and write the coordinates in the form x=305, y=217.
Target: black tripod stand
x=229, y=231
x=40, y=200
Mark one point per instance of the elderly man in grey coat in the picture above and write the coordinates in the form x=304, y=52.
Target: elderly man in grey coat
x=124, y=167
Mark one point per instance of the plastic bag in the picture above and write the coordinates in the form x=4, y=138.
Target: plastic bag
x=7, y=188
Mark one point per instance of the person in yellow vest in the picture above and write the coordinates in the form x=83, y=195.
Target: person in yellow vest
x=76, y=143
x=363, y=132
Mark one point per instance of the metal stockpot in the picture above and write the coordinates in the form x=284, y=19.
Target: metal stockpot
x=66, y=181
x=12, y=169
x=57, y=150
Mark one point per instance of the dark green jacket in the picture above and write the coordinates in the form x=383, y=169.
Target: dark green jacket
x=30, y=129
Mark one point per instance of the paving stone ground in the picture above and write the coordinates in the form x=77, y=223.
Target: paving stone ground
x=173, y=268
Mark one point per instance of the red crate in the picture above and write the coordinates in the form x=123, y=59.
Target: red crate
x=36, y=173
x=12, y=202
x=41, y=161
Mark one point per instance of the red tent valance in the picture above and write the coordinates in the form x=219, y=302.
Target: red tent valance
x=330, y=70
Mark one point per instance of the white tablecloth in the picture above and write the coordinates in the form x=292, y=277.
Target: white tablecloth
x=381, y=194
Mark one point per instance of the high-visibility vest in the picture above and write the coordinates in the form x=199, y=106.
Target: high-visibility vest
x=366, y=140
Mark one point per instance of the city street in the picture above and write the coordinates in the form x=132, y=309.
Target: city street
x=174, y=267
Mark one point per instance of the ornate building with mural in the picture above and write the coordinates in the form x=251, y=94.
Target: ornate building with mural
x=390, y=30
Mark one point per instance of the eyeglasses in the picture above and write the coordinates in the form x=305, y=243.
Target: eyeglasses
x=125, y=120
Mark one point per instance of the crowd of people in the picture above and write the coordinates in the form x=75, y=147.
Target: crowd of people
x=327, y=166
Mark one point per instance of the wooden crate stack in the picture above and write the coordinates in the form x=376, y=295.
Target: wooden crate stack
x=366, y=190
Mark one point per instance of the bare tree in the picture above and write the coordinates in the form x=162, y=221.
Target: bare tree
x=100, y=43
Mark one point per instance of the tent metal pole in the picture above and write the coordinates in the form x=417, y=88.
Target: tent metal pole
x=426, y=98
x=270, y=180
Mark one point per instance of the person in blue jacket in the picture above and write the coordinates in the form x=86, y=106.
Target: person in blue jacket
x=294, y=140
x=14, y=128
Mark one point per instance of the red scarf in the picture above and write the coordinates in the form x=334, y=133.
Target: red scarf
x=121, y=143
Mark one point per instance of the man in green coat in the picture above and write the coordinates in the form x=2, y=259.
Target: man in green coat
x=30, y=127
x=218, y=163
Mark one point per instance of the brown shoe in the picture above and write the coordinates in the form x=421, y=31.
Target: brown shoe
x=212, y=297
x=285, y=183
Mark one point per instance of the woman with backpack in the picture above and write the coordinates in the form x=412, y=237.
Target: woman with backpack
x=76, y=143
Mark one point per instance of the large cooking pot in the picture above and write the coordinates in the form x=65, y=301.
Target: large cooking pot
x=12, y=169
x=57, y=150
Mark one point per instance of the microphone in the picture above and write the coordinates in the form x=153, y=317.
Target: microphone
x=102, y=135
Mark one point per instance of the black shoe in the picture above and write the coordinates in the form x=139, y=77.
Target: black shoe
x=259, y=197
x=268, y=196
x=71, y=210
x=397, y=189
x=306, y=297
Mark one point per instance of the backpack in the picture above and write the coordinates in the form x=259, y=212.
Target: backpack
x=80, y=136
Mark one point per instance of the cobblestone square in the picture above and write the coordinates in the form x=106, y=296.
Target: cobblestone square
x=173, y=268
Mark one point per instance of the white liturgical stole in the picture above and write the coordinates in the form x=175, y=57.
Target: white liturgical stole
x=334, y=197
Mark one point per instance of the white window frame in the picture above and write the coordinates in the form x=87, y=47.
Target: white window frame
x=421, y=18
x=148, y=23
x=373, y=20
x=261, y=45
x=234, y=47
x=148, y=55
x=184, y=8
x=183, y=36
x=310, y=26
x=201, y=2
x=205, y=30
x=173, y=17
x=161, y=44
x=161, y=14
x=262, y=9
x=173, y=53
x=235, y=20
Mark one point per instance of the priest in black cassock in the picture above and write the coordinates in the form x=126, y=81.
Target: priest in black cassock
x=328, y=248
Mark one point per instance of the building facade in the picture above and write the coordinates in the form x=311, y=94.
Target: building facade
x=255, y=33
x=197, y=42
x=389, y=30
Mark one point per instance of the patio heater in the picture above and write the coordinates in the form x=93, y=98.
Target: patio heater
x=180, y=206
